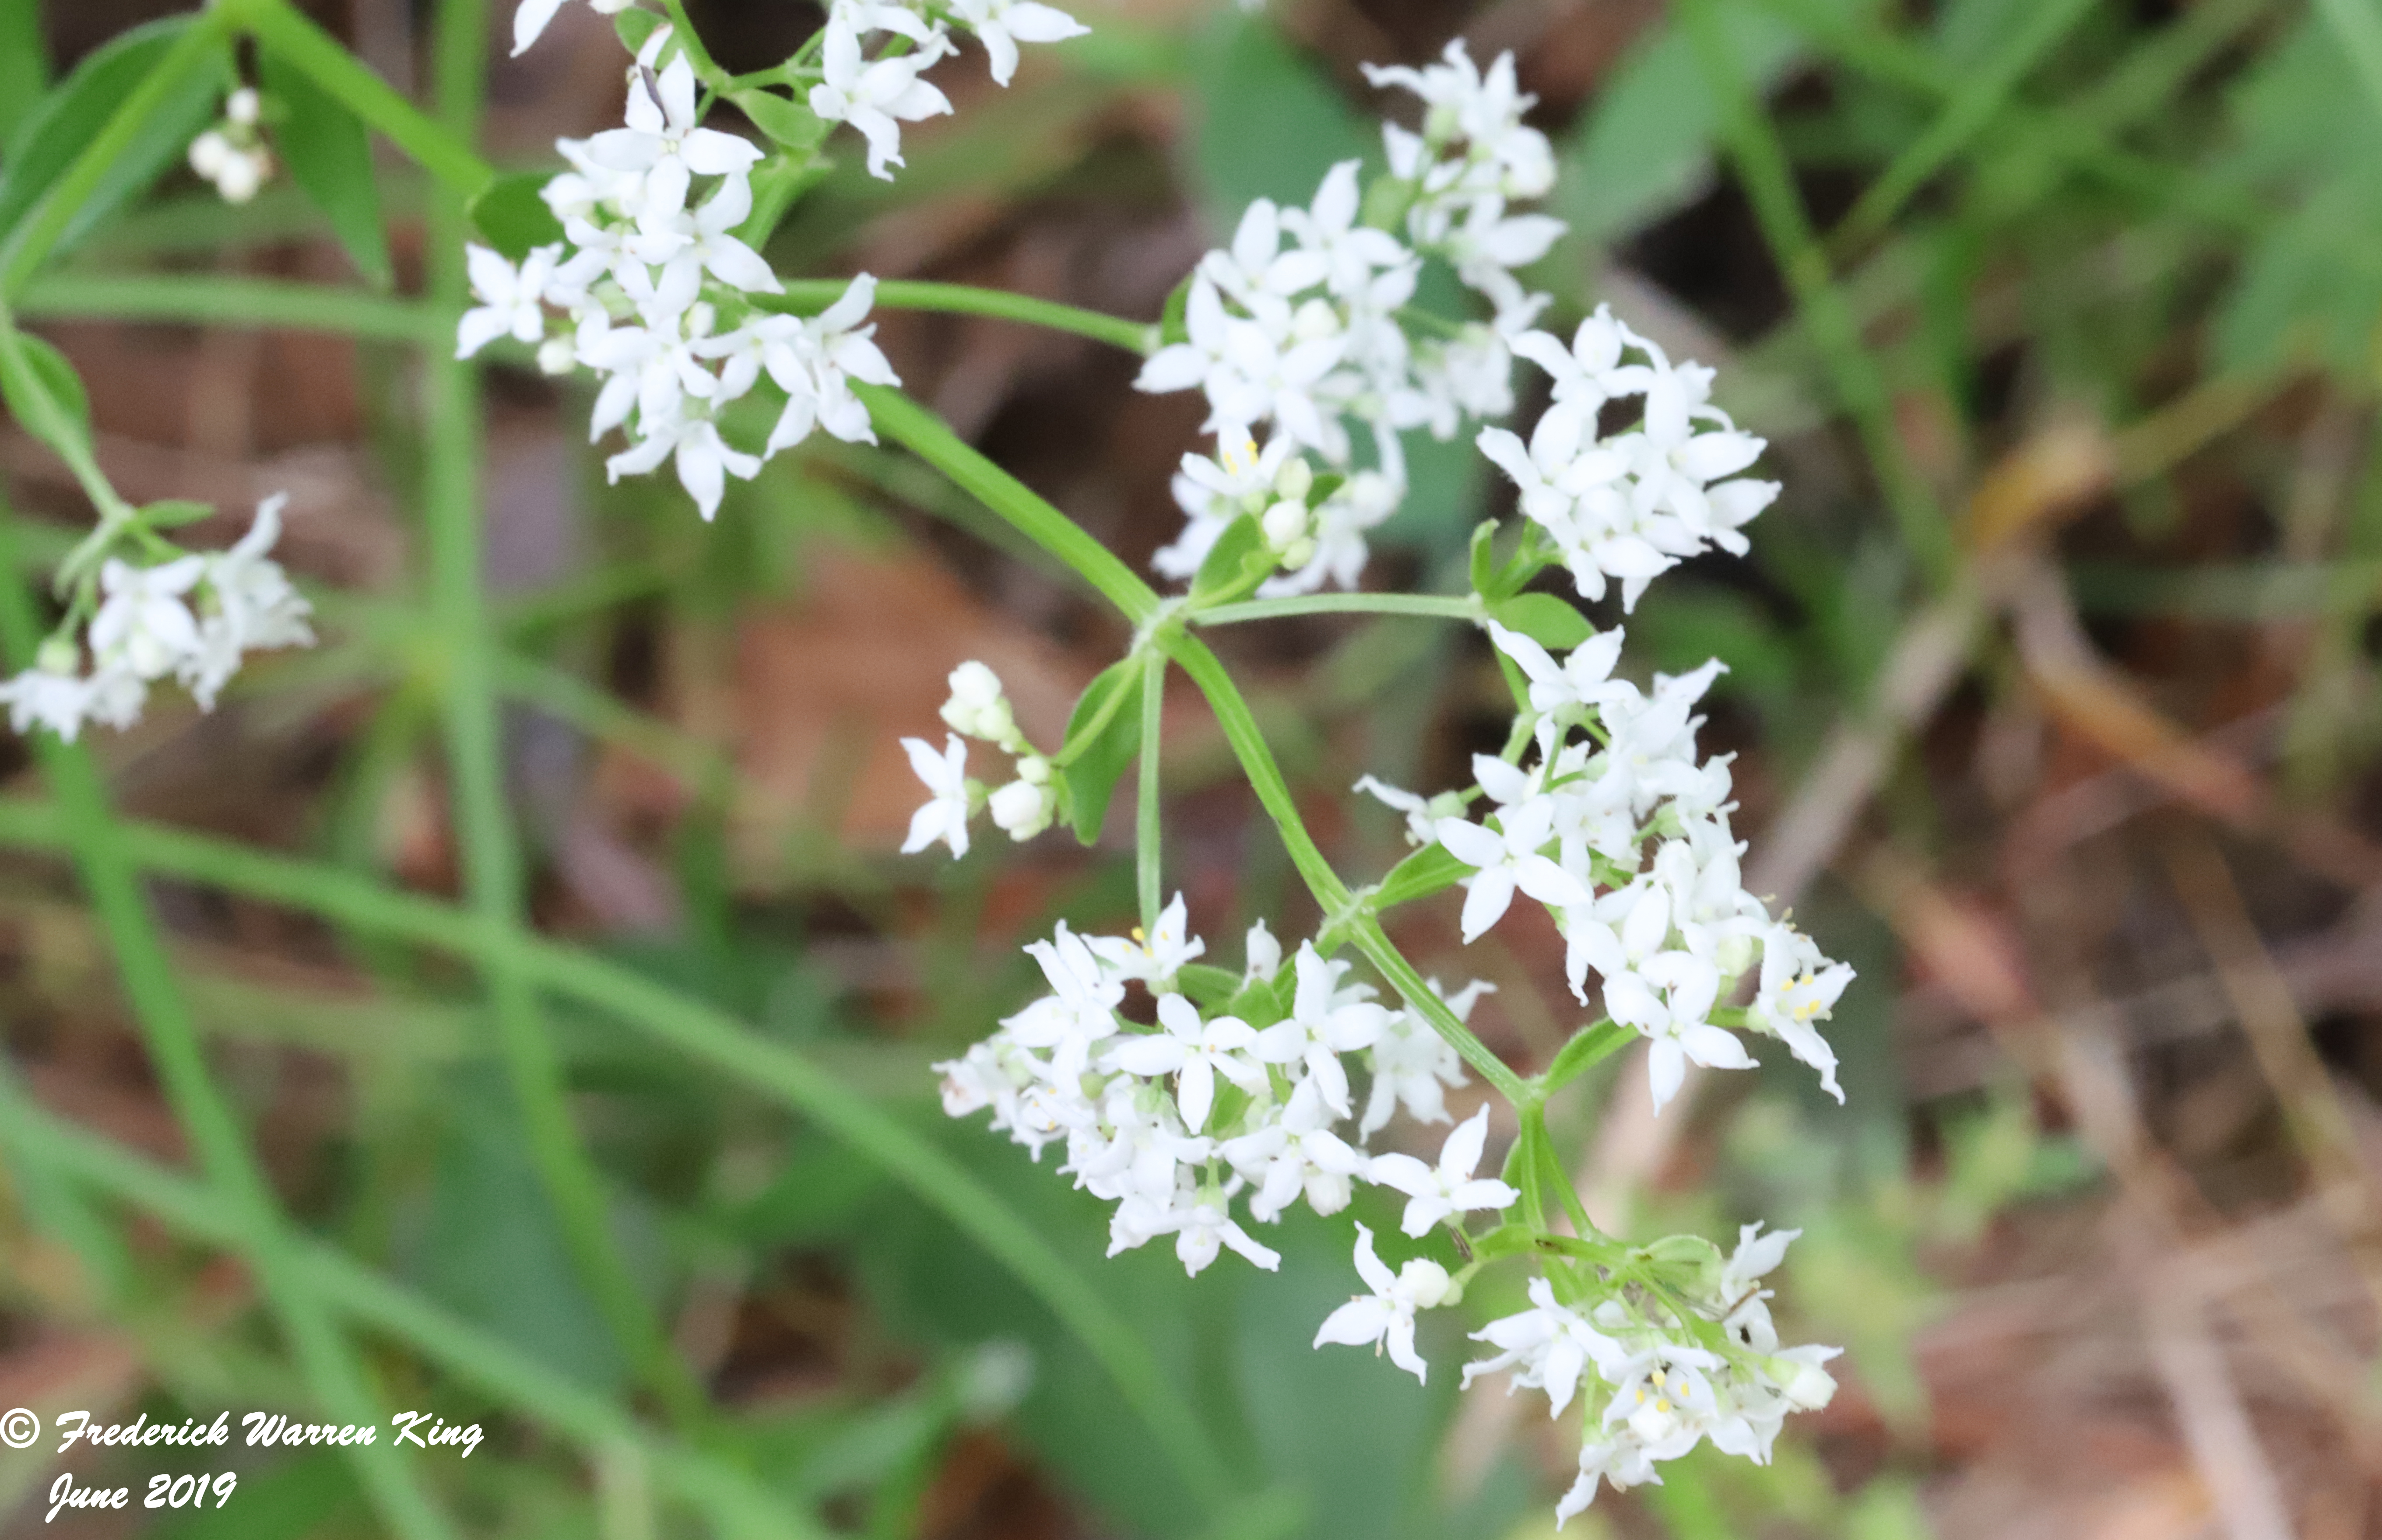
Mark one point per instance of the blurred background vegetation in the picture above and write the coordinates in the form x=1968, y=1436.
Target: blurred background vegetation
x=2052, y=680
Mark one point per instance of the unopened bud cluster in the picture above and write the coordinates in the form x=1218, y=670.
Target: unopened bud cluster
x=233, y=155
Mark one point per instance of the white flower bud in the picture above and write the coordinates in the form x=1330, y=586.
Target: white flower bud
x=1426, y=1282
x=1810, y=1388
x=557, y=355
x=208, y=154
x=1294, y=480
x=1264, y=952
x=1285, y=523
x=1034, y=768
x=1315, y=321
x=241, y=105
x=240, y=175
x=1022, y=810
x=59, y=655
x=977, y=707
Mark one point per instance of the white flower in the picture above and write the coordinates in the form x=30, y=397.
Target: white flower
x=1507, y=858
x=1582, y=682
x=1799, y=988
x=510, y=298
x=1079, y=1011
x=1263, y=952
x=1205, y=1225
x=1386, y=1316
x=978, y=706
x=1667, y=998
x=54, y=698
x=814, y=362
x=255, y=606
x=949, y=801
x=1412, y=1063
x=663, y=141
x=704, y=459
x=1623, y=1461
x=1256, y=264
x=876, y=98
x=1434, y=1193
x=1550, y=1347
x=1354, y=256
x=144, y=624
x=1325, y=1021
x=1591, y=371
x=532, y=16
x=1001, y=25
x=1295, y=1151
x=1423, y=815
x=1154, y=959
x=1195, y=1053
x=1023, y=808
x=687, y=243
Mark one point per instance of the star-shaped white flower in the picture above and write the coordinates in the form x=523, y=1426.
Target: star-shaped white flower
x=1156, y=957
x=664, y=141
x=876, y=98
x=1439, y=1192
x=1507, y=858
x=510, y=299
x=945, y=815
x=1799, y=989
x=145, y=624
x=1195, y=1051
x=1668, y=997
x=1001, y=25
x=1550, y=1347
x=1385, y=1318
x=704, y=459
x=1325, y=1021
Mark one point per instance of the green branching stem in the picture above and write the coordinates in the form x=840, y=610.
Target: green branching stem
x=1464, y=606
x=492, y=869
x=1147, y=833
x=706, y=1036
x=812, y=295
x=110, y=874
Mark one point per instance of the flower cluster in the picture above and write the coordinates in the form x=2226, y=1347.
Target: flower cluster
x=1687, y=1354
x=1302, y=326
x=232, y=154
x=1241, y=1094
x=654, y=290
x=192, y=616
x=1024, y=807
x=1632, y=506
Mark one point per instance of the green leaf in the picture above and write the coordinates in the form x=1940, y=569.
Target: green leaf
x=1172, y=326
x=1428, y=871
x=24, y=68
x=791, y=123
x=779, y=183
x=1545, y=619
x=1484, y=558
x=1271, y=122
x=1208, y=986
x=636, y=28
x=1225, y=571
x=72, y=116
x=172, y=513
x=1102, y=737
x=512, y=216
x=1589, y=1047
x=329, y=156
x=47, y=399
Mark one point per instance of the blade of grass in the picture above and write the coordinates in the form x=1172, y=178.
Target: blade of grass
x=709, y=1037
x=111, y=879
x=209, y=299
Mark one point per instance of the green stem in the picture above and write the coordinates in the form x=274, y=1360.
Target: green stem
x=38, y=234
x=207, y=299
x=812, y=295
x=1444, y=608
x=47, y=419
x=493, y=867
x=925, y=435
x=111, y=878
x=733, y=1501
x=707, y=1037
x=1146, y=833
x=436, y=145
x=1761, y=166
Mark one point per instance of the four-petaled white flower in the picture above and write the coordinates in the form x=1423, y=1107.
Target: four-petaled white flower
x=1441, y=1192
x=1325, y=1021
x=1001, y=25
x=663, y=140
x=949, y=801
x=1156, y=957
x=1507, y=858
x=876, y=98
x=145, y=624
x=511, y=299
x=1385, y=1318
x=1195, y=1051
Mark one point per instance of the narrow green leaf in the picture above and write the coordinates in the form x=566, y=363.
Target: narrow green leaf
x=329, y=156
x=47, y=399
x=172, y=513
x=56, y=128
x=24, y=68
x=1588, y=1047
x=791, y=123
x=512, y=217
x=1545, y=619
x=1484, y=558
x=779, y=183
x=1102, y=736
x=1225, y=571
x=1172, y=324
x=1428, y=871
